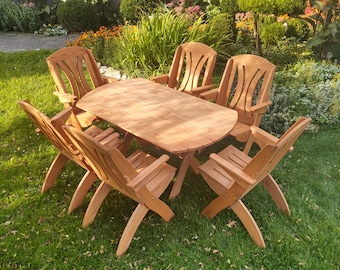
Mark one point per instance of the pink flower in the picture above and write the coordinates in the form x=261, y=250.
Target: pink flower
x=31, y=4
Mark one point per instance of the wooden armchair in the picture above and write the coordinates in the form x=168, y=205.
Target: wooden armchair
x=75, y=72
x=192, y=68
x=140, y=177
x=245, y=87
x=52, y=129
x=232, y=174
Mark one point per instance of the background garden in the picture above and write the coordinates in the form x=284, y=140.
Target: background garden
x=139, y=38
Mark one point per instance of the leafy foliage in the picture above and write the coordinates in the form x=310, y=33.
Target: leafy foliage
x=19, y=18
x=132, y=10
x=148, y=47
x=327, y=20
x=77, y=16
x=300, y=91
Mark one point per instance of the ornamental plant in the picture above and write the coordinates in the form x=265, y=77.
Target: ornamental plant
x=100, y=42
x=78, y=16
x=21, y=18
x=301, y=91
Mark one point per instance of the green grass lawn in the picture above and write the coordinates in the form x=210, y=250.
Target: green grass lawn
x=37, y=233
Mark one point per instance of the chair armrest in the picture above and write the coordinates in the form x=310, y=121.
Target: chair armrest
x=210, y=94
x=260, y=108
x=163, y=79
x=142, y=179
x=202, y=89
x=109, y=79
x=62, y=116
x=65, y=97
x=262, y=137
x=238, y=175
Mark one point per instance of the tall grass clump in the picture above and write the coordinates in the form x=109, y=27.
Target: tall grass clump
x=148, y=47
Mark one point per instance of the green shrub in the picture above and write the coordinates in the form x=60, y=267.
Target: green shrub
x=307, y=88
x=14, y=17
x=224, y=24
x=297, y=28
x=132, y=10
x=77, y=15
x=271, y=33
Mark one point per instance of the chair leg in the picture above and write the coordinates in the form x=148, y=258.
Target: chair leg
x=95, y=203
x=248, y=145
x=249, y=222
x=275, y=192
x=130, y=228
x=83, y=187
x=222, y=202
x=156, y=205
x=126, y=143
x=53, y=172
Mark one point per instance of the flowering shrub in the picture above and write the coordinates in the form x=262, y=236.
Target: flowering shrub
x=15, y=17
x=179, y=6
x=99, y=42
x=307, y=88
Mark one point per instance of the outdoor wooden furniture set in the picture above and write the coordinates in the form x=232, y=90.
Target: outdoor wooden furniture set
x=175, y=117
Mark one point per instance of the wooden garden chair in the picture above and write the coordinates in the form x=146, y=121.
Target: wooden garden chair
x=52, y=129
x=75, y=73
x=232, y=174
x=140, y=177
x=245, y=87
x=191, y=70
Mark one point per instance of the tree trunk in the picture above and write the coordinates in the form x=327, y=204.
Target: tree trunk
x=257, y=35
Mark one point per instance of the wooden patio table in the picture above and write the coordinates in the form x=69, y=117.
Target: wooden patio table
x=169, y=119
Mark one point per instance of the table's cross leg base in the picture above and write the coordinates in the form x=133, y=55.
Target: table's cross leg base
x=188, y=160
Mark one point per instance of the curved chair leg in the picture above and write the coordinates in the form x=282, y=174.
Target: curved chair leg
x=53, y=172
x=155, y=204
x=130, y=228
x=249, y=222
x=222, y=202
x=275, y=192
x=95, y=203
x=83, y=187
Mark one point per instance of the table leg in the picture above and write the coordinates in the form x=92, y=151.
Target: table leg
x=187, y=161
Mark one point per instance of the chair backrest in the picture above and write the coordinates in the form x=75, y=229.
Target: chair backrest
x=271, y=154
x=74, y=70
x=192, y=66
x=109, y=165
x=246, y=82
x=53, y=131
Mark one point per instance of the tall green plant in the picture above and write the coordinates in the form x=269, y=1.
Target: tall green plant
x=327, y=20
x=148, y=47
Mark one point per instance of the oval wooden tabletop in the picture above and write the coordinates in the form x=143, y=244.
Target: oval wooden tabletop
x=174, y=121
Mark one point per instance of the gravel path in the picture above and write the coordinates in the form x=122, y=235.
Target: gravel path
x=16, y=41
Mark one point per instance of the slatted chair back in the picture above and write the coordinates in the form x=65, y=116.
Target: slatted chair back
x=245, y=84
x=52, y=129
x=191, y=69
x=110, y=166
x=74, y=71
